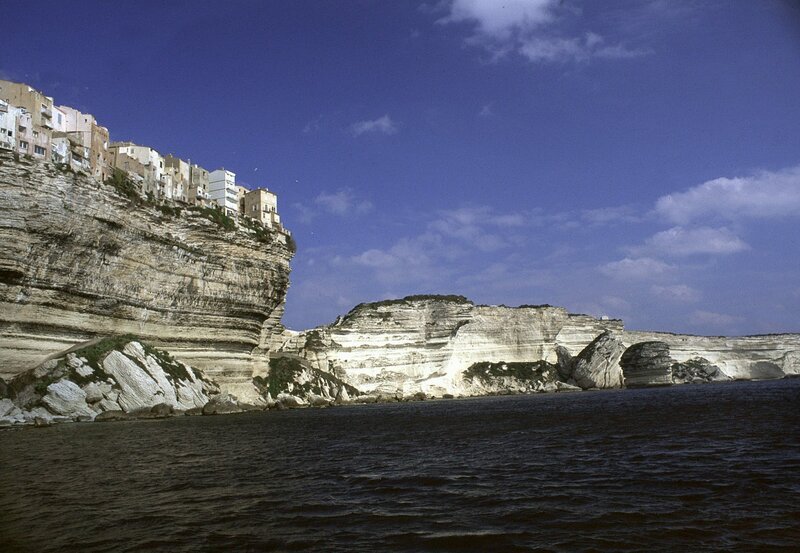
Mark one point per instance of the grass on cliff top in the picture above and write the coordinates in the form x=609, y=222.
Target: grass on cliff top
x=451, y=298
x=524, y=371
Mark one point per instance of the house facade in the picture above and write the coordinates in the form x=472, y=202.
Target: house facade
x=222, y=190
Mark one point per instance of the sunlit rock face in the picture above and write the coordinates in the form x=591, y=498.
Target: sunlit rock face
x=425, y=343
x=743, y=357
x=79, y=261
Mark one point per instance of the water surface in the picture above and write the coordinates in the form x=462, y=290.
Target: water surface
x=699, y=468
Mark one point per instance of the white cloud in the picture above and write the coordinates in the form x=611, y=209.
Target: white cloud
x=700, y=317
x=677, y=293
x=763, y=195
x=640, y=268
x=609, y=215
x=500, y=19
x=487, y=110
x=531, y=28
x=591, y=45
x=680, y=241
x=342, y=202
x=381, y=125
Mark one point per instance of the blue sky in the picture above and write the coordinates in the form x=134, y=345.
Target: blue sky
x=637, y=159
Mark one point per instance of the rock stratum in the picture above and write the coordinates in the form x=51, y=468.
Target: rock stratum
x=446, y=345
x=81, y=260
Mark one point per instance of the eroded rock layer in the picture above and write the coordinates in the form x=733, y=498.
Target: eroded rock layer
x=425, y=343
x=79, y=260
x=741, y=357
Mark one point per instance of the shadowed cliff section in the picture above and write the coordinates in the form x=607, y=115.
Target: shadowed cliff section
x=80, y=261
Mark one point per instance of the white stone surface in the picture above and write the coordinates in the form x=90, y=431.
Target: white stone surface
x=66, y=398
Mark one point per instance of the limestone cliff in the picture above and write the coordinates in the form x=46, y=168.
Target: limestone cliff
x=430, y=343
x=425, y=343
x=80, y=260
x=741, y=357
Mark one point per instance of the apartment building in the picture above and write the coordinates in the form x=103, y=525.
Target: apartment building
x=262, y=205
x=9, y=118
x=89, y=139
x=199, y=179
x=146, y=164
x=180, y=173
x=37, y=122
x=222, y=190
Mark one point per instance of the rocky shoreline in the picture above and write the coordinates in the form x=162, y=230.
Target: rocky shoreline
x=121, y=379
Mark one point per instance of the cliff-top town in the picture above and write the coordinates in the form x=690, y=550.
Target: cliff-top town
x=32, y=125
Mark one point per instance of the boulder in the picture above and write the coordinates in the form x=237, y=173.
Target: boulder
x=4, y=390
x=289, y=401
x=564, y=362
x=696, y=371
x=597, y=365
x=647, y=364
x=66, y=398
x=161, y=411
x=94, y=392
x=137, y=388
x=112, y=416
x=318, y=401
x=222, y=405
x=6, y=406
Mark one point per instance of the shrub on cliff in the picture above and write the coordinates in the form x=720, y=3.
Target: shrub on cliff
x=124, y=186
x=216, y=216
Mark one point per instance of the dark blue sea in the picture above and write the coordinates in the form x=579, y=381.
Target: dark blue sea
x=689, y=468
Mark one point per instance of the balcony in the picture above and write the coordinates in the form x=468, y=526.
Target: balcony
x=47, y=124
x=47, y=112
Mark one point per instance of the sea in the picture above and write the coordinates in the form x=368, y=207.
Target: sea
x=688, y=468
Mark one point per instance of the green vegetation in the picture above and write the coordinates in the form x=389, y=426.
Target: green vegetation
x=314, y=340
x=419, y=297
x=282, y=378
x=96, y=352
x=125, y=186
x=487, y=372
x=291, y=244
x=216, y=216
x=169, y=210
x=262, y=233
x=173, y=369
x=528, y=306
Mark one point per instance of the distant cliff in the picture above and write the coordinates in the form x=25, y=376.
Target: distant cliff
x=447, y=345
x=425, y=343
x=81, y=260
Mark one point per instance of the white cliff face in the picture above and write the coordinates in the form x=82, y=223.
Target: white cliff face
x=401, y=347
x=80, y=261
x=744, y=357
x=413, y=345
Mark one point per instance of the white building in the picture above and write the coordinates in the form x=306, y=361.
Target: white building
x=9, y=115
x=60, y=144
x=222, y=190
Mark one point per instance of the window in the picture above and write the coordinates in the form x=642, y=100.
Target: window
x=38, y=150
x=35, y=134
x=23, y=145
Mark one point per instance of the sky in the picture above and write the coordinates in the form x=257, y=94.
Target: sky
x=637, y=159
